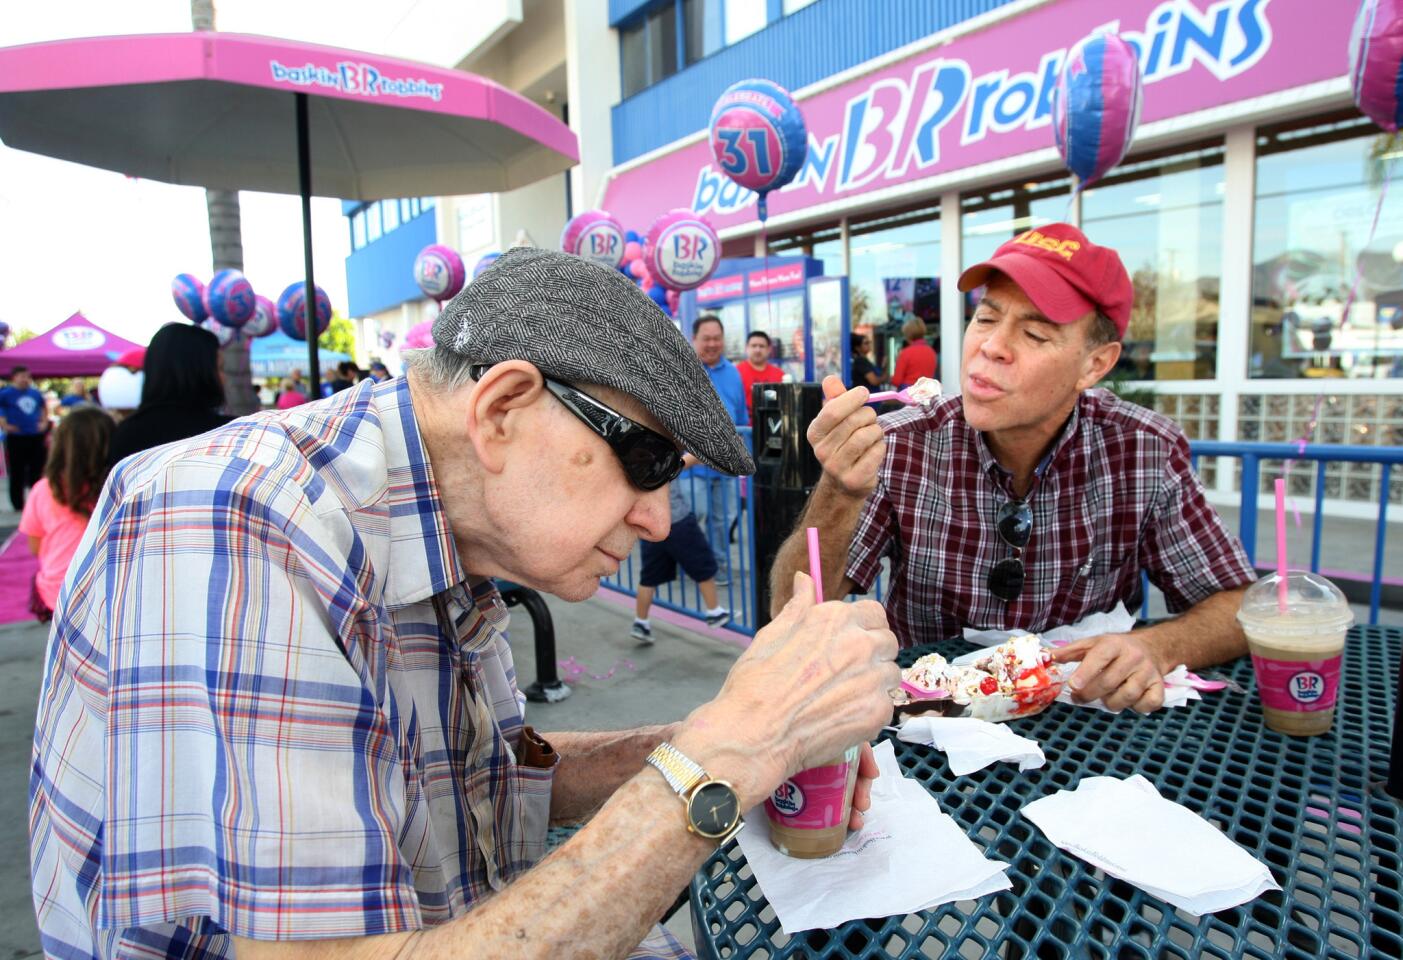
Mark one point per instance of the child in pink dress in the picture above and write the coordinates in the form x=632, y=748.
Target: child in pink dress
x=57, y=509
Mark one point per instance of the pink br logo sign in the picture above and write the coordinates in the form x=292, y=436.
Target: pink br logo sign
x=78, y=338
x=682, y=250
x=1306, y=687
x=788, y=799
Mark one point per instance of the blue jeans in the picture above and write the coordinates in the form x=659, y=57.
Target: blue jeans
x=714, y=503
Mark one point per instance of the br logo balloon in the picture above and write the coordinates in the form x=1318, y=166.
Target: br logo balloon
x=682, y=250
x=224, y=334
x=229, y=298
x=1096, y=106
x=264, y=320
x=594, y=235
x=292, y=312
x=758, y=137
x=1376, y=61
x=189, y=295
x=439, y=271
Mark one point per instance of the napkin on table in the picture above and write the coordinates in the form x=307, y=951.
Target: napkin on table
x=908, y=856
x=1128, y=830
x=970, y=744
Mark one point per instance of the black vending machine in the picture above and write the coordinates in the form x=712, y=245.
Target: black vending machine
x=786, y=471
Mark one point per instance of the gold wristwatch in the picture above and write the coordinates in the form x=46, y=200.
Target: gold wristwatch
x=713, y=808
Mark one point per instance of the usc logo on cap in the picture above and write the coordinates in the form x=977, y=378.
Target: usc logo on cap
x=1063, y=248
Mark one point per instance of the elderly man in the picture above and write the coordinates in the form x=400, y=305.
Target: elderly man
x=1031, y=500
x=279, y=716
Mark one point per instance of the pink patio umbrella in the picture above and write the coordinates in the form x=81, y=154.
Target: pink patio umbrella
x=238, y=112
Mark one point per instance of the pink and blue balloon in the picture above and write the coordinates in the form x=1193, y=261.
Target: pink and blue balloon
x=1096, y=106
x=594, y=235
x=440, y=272
x=758, y=137
x=292, y=311
x=229, y=298
x=1376, y=62
x=482, y=264
x=189, y=295
x=682, y=250
x=226, y=335
x=264, y=320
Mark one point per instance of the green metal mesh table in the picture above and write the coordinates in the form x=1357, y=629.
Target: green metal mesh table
x=1311, y=809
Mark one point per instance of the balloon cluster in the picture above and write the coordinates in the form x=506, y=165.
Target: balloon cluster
x=292, y=311
x=635, y=266
x=227, y=306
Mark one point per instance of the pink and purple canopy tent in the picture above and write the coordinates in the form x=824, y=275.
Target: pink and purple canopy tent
x=75, y=348
x=239, y=112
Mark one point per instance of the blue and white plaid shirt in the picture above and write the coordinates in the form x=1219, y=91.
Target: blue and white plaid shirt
x=274, y=705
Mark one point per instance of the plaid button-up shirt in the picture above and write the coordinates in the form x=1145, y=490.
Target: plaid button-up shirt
x=274, y=705
x=1116, y=494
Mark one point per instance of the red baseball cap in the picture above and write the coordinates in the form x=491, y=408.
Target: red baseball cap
x=135, y=358
x=1063, y=273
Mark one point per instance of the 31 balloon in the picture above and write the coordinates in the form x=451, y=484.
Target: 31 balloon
x=1096, y=105
x=439, y=271
x=1376, y=61
x=758, y=137
x=486, y=261
x=594, y=235
x=682, y=250
x=292, y=314
x=229, y=298
x=189, y=294
x=264, y=320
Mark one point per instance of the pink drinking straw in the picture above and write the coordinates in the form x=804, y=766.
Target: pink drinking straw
x=1281, y=566
x=815, y=565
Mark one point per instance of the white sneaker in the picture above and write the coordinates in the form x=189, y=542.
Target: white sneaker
x=643, y=633
x=718, y=618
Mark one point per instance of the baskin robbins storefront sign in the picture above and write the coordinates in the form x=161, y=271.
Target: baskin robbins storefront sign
x=359, y=79
x=986, y=96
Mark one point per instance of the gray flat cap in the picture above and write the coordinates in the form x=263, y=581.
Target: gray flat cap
x=581, y=322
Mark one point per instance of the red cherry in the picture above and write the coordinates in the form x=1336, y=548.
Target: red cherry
x=988, y=685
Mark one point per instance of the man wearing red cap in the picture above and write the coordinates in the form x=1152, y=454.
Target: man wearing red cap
x=1031, y=500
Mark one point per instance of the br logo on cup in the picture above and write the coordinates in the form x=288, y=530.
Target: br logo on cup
x=1306, y=686
x=788, y=799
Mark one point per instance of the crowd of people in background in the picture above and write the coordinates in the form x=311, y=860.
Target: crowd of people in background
x=62, y=441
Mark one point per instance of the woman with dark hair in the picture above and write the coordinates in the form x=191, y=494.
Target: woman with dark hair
x=864, y=371
x=183, y=392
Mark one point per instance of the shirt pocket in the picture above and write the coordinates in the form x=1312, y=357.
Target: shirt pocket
x=531, y=790
x=1095, y=585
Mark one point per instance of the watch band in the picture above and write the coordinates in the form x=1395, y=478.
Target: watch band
x=681, y=772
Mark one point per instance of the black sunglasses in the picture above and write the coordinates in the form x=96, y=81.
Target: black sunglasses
x=1014, y=525
x=650, y=460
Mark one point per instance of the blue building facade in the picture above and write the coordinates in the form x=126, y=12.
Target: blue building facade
x=386, y=236
x=678, y=55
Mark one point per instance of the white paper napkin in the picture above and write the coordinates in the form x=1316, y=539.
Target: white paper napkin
x=1176, y=692
x=971, y=744
x=1118, y=620
x=909, y=856
x=1128, y=830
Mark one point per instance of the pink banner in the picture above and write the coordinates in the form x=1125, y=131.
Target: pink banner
x=778, y=278
x=986, y=96
x=721, y=288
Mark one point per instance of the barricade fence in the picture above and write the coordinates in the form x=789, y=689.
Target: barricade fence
x=725, y=508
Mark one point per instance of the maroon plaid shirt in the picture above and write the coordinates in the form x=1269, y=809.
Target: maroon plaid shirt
x=1116, y=495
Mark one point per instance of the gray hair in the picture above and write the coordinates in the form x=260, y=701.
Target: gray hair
x=1103, y=330
x=440, y=368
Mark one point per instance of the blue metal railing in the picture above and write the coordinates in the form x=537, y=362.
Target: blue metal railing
x=739, y=595
x=1252, y=455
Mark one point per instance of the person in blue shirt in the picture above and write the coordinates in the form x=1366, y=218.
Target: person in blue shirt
x=25, y=421
x=78, y=396
x=713, y=493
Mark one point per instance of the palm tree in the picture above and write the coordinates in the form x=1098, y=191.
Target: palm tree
x=227, y=248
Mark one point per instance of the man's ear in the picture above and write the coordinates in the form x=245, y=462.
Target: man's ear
x=1099, y=362
x=495, y=405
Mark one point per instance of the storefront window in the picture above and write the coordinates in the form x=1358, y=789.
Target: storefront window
x=894, y=275
x=358, y=230
x=372, y=223
x=989, y=218
x=1163, y=214
x=701, y=20
x=743, y=17
x=648, y=49
x=1318, y=187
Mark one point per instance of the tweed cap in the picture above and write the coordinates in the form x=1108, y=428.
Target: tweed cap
x=582, y=323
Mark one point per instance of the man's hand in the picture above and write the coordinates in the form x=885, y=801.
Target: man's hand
x=846, y=439
x=814, y=682
x=1116, y=668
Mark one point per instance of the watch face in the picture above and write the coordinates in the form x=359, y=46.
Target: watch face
x=714, y=809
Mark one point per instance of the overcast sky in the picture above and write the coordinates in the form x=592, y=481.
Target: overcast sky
x=78, y=238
